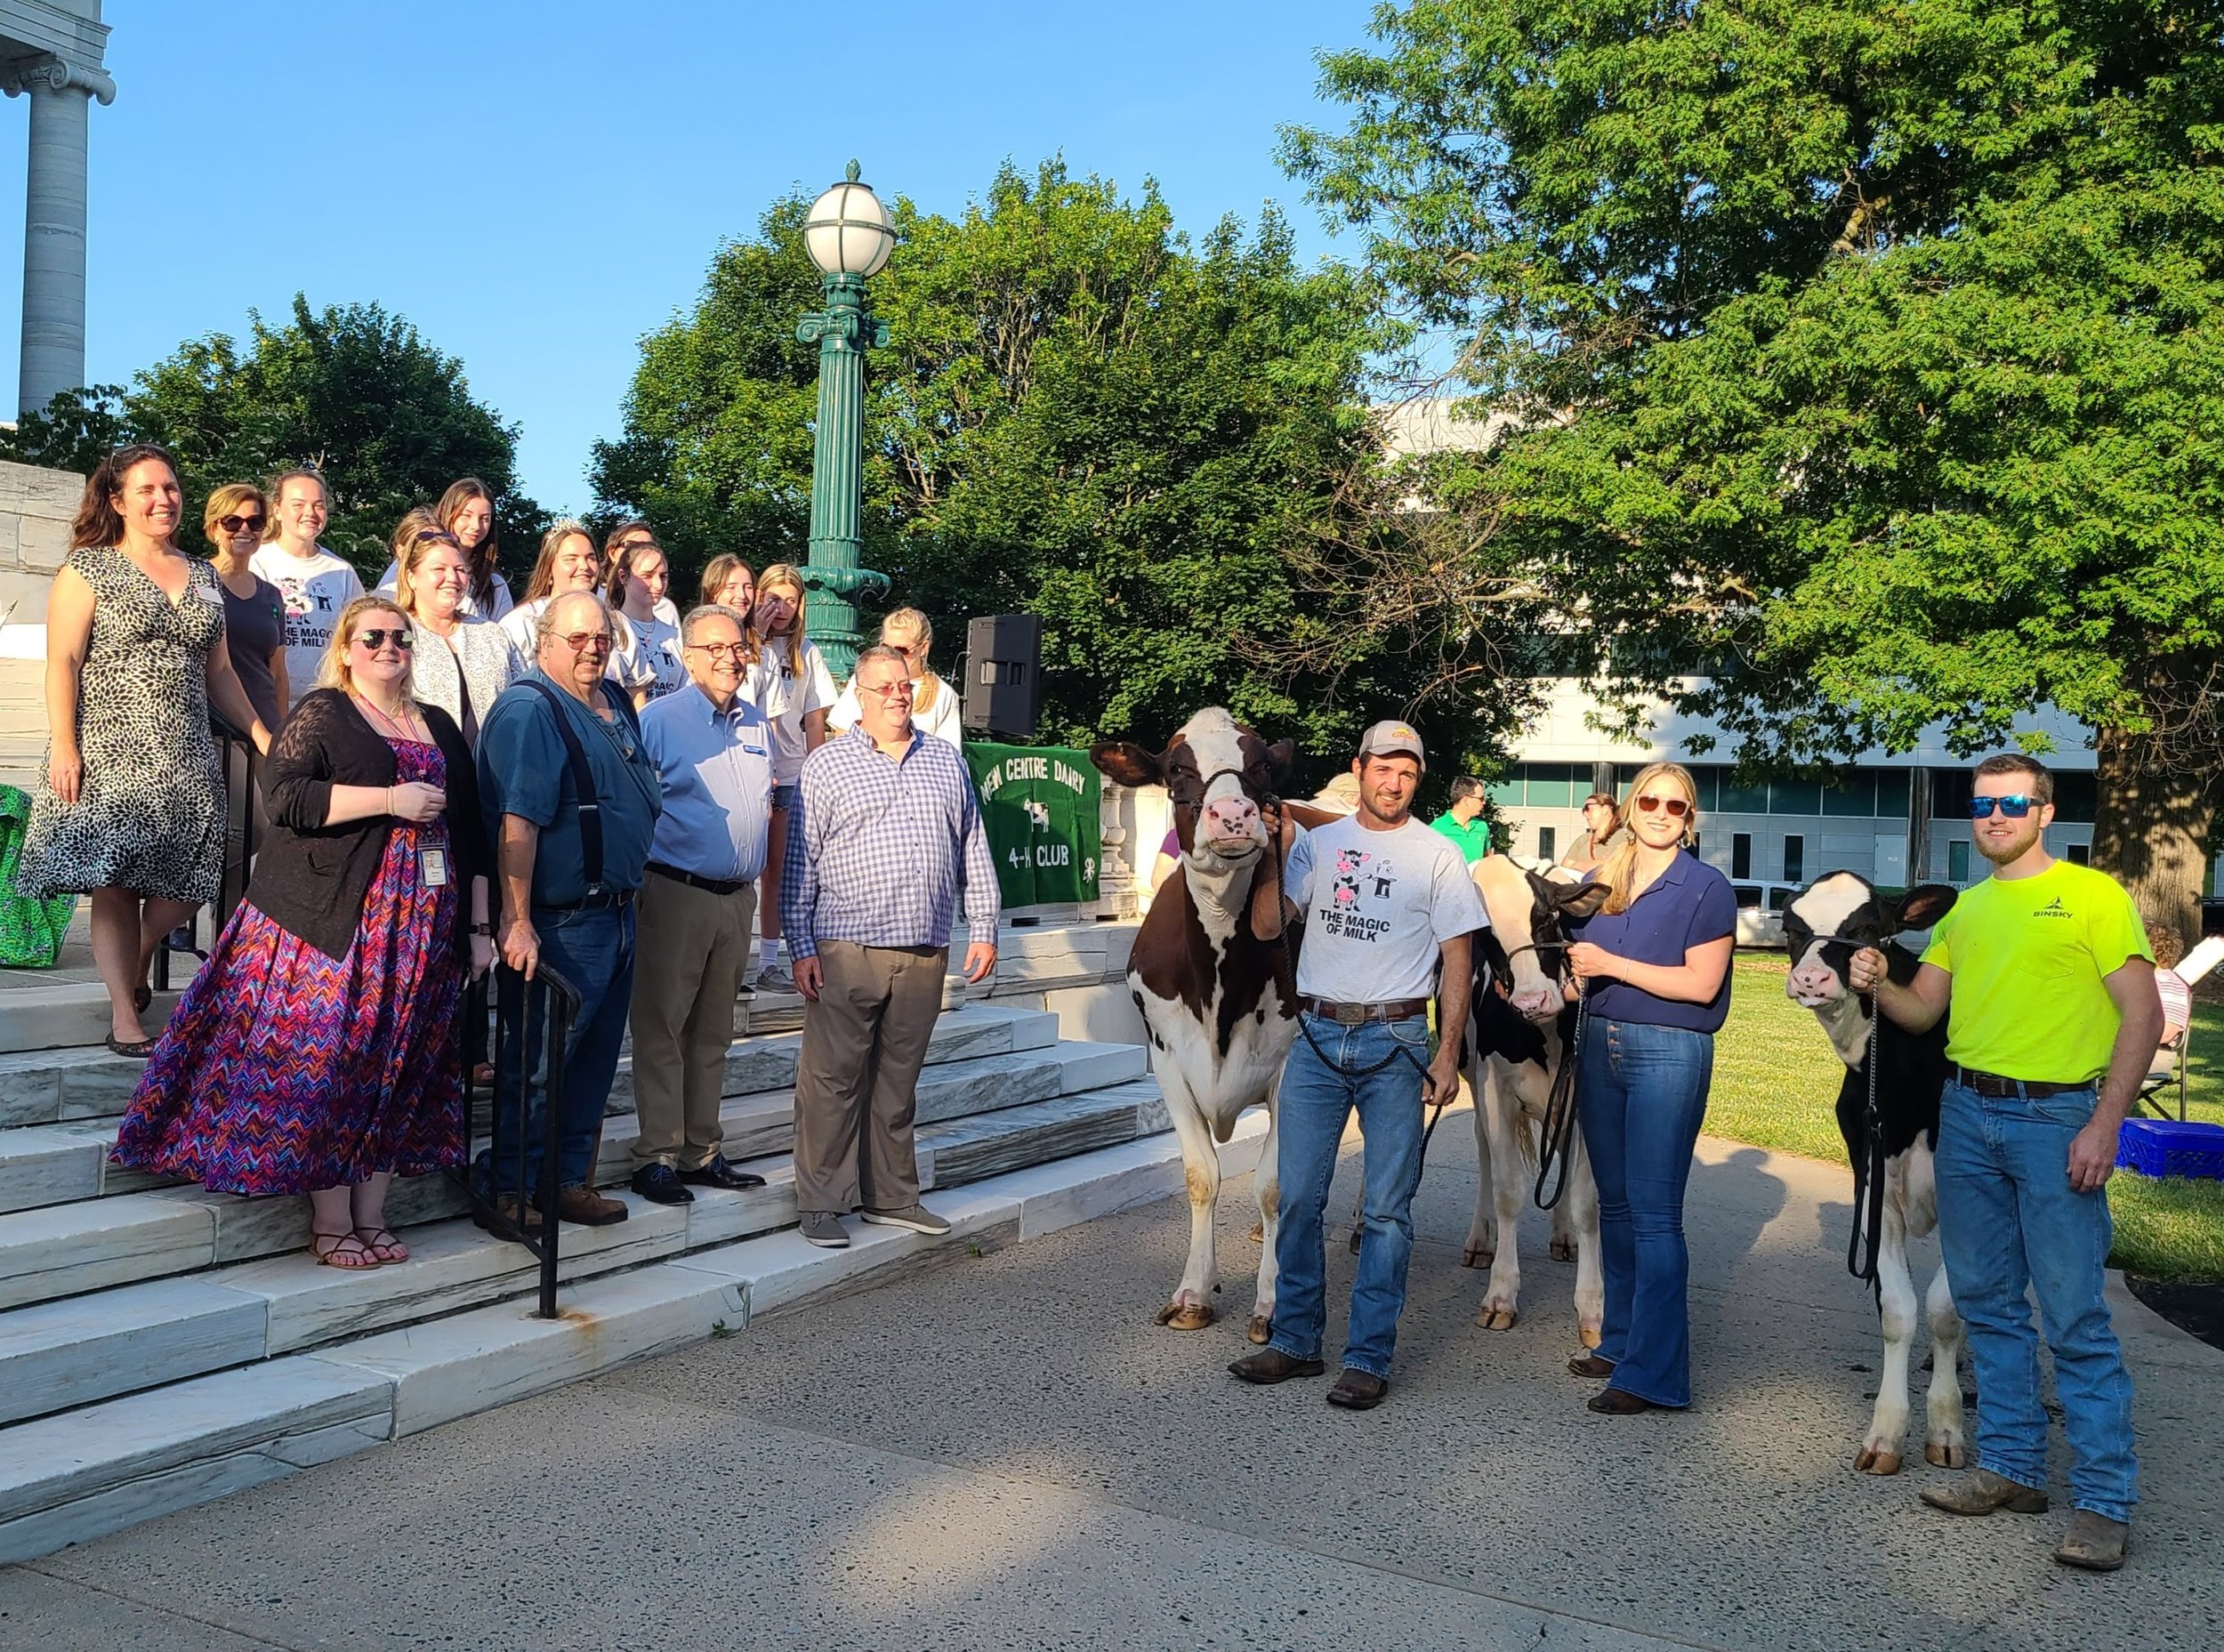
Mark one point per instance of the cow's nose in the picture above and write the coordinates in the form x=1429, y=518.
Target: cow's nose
x=1536, y=1003
x=1809, y=982
x=1231, y=817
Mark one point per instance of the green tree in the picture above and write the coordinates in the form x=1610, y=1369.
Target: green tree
x=388, y=419
x=1081, y=415
x=1868, y=351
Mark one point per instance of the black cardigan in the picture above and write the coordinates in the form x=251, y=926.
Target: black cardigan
x=312, y=879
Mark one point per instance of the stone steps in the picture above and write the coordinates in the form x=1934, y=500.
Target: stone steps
x=60, y=1250
x=80, y=1473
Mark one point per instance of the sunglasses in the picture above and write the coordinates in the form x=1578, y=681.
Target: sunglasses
x=239, y=524
x=1676, y=807
x=2015, y=806
x=580, y=641
x=378, y=636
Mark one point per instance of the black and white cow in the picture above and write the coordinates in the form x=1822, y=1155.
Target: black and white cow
x=1517, y=1035
x=1825, y=924
x=1220, y=1004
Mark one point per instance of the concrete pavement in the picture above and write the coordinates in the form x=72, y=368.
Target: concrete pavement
x=1006, y=1452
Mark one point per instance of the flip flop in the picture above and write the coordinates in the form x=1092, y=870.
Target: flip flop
x=381, y=1244
x=330, y=1251
x=138, y=1051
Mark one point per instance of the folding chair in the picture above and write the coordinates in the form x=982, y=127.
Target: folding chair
x=2176, y=986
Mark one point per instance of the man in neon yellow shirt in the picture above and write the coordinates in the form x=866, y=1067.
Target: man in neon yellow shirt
x=2048, y=985
x=1463, y=822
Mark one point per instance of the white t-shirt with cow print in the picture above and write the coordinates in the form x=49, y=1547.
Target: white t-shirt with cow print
x=1377, y=907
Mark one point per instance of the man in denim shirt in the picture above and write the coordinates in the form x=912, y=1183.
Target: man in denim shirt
x=2046, y=978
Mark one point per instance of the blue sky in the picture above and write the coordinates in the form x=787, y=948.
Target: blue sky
x=536, y=186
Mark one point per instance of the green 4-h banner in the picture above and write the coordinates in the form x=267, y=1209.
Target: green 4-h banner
x=1041, y=803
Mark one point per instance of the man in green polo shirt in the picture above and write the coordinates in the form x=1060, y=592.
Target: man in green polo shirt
x=1463, y=822
x=2048, y=985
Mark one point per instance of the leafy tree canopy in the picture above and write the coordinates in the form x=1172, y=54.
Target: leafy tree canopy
x=1869, y=347
x=388, y=419
x=1081, y=415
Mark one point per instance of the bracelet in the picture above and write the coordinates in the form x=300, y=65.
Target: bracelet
x=482, y=929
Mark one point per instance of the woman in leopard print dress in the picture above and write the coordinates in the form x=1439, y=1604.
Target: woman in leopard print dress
x=131, y=810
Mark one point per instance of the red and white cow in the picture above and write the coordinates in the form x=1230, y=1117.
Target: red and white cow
x=1517, y=1038
x=1214, y=975
x=1824, y=925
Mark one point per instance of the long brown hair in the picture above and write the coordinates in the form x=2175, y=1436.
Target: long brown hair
x=1619, y=870
x=486, y=556
x=98, y=521
x=544, y=581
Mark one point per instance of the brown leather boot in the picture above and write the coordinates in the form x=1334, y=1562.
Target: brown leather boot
x=1981, y=1491
x=585, y=1207
x=1271, y=1364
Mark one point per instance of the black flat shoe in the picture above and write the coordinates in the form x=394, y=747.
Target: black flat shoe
x=1613, y=1402
x=660, y=1184
x=139, y=1051
x=142, y=998
x=719, y=1173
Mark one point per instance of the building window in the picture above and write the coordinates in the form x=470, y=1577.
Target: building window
x=1958, y=861
x=2081, y=854
x=1547, y=841
x=1744, y=800
x=1795, y=860
x=1795, y=797
x=1891, y=795
x=1741, y=854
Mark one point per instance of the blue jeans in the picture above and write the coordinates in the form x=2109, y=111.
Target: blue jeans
x=2008, y=1221
x=593, y=950
x=1641, y=1095
x=1316, y=1100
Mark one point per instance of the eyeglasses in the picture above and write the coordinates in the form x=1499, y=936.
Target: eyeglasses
x=737, y=652
x=1676, y=807
x=902, y=685
x=239, y=524
x=580, y=641
x=378, y=636
x=2015, y=806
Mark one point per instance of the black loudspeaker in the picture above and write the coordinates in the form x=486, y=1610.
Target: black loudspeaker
x=1003, y=673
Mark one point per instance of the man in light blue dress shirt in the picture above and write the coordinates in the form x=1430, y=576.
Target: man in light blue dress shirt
x=885, y=834
x=713, y=751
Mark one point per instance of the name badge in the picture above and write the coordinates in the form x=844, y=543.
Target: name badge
x=434, y=864
x=215, y=599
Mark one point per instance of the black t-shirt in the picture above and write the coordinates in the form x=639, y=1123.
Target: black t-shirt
x=253, y=628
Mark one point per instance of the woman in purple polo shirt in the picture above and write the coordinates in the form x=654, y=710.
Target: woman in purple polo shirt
x=1654, y=967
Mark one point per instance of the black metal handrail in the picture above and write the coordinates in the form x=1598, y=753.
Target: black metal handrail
x=543, y=1009
x=240, y=765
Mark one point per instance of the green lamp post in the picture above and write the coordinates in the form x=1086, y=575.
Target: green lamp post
x=848, y=236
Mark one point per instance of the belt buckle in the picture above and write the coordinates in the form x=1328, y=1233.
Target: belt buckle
x=1350, y=1015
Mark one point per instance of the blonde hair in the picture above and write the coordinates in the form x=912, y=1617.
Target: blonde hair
x=335, y=672
x=1619, y=870
x=717, y=571
x=790, y=576
x=228, y=499
x=909, y=622
x=414, y=541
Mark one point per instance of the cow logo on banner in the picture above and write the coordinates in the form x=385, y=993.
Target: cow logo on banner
x=1043, y=807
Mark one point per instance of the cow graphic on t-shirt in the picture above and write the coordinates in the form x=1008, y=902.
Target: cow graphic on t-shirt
x=1361, y=876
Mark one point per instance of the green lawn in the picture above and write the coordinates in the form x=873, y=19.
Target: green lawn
x=1775, y=1085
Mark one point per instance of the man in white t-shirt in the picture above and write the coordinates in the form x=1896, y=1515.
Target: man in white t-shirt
x=1384, y=901
x=314, y=586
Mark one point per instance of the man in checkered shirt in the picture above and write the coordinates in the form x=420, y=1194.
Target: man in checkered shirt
x=885, y=833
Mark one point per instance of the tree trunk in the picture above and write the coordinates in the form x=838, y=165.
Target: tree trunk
x=2157, y=801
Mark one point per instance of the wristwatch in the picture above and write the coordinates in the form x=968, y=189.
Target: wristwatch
x=482, y=929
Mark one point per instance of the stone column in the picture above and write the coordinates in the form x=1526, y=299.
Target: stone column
x=54, y=222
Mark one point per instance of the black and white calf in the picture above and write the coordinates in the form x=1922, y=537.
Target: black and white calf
x=1824, y=926
x=1517, y=1038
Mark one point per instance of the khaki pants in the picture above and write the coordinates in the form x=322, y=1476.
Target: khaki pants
x=857, y=1082
x=688, y=956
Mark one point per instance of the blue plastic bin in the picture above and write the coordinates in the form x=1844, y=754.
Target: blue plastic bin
x=2163, y=1147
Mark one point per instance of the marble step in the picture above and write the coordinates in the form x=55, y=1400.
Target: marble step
x=63, y=1249
x=79, y=1474
x=63, y=1086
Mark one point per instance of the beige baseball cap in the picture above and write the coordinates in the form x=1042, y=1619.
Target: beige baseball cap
x=1386, y=739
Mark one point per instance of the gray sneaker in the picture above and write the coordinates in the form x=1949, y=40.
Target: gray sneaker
x=918, y=1218
x=772, y=978
x=823, y=1230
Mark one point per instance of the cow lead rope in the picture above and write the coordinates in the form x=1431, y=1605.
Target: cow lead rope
x=1559, y=1113
x=1867, y=1238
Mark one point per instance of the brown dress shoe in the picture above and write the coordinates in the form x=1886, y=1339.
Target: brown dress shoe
x=1358, y=1390
x=1589, y=1365
x=589, y=1209
x=1271, y=1364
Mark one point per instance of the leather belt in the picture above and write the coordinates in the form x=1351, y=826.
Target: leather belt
x=1358, y=1014
x=716, y=886
x=619, y=898
x=1995, y=1086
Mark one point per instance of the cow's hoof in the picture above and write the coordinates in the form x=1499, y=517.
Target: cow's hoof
x=1591, y=1335
x=1561, y=1250
x=1876, y=1460
x=1186, y=1316
x=1944, y=1454
x=1260, y=1329
x=1495, y=1318
x=1479, y=1256
x=1258, y=1233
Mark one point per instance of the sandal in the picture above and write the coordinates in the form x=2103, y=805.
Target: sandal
x=330, y=1250
x=381, y=1244
x=138, y=1051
